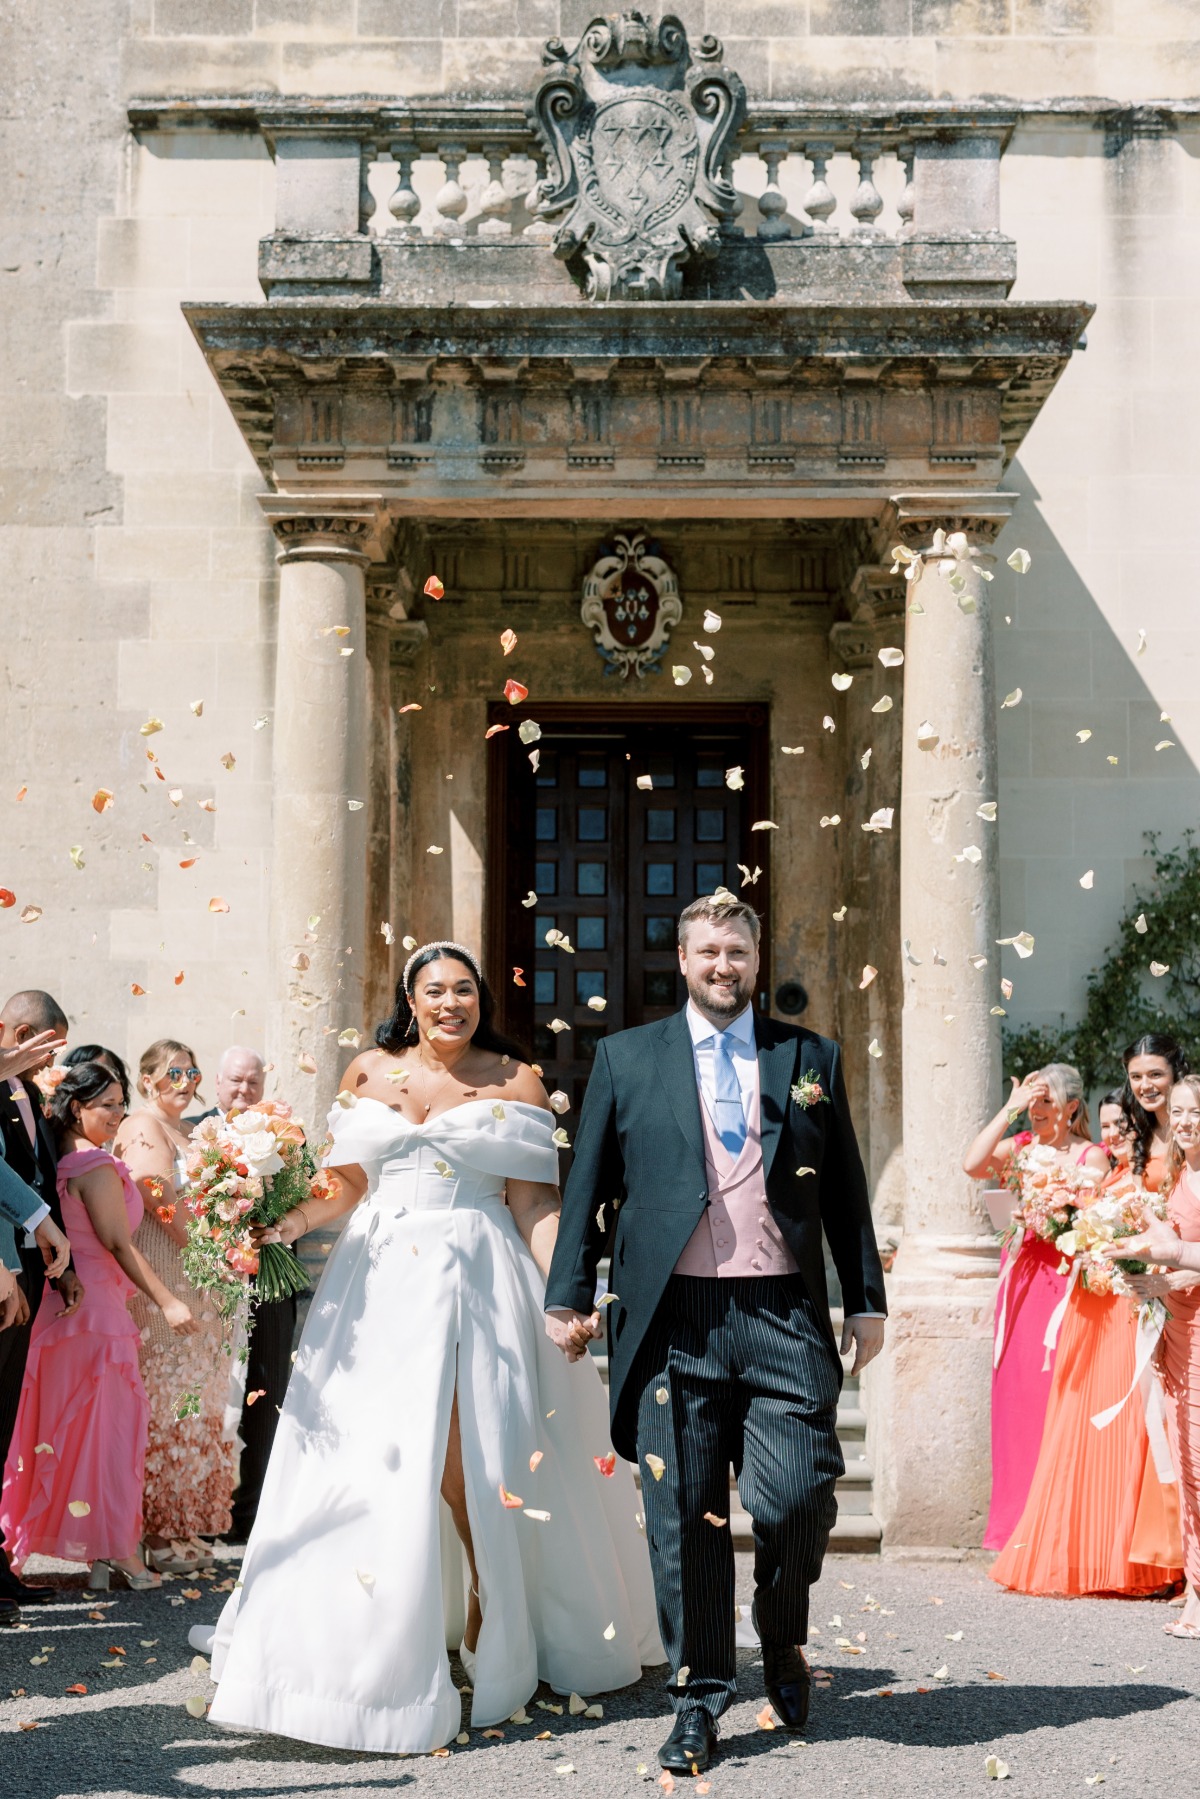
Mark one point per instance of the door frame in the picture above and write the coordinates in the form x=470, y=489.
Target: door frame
x=594, y=716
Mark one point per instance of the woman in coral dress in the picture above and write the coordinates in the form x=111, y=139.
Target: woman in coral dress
x=1031, y=1284
x=73, y=1484
x=1153, y=1064
x=189, y=1458
x=1098, y=1518
x=1175, y=1245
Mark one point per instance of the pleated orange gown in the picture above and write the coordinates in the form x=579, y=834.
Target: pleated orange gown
x=1076, y=1534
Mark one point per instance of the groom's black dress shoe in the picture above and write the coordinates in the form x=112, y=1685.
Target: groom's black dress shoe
x=788, y=1684
x=9, y=1614
x=689, y=1748
x=12, y=1587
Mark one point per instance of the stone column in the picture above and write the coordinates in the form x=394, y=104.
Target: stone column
x=319, y=798
x=929, y=1396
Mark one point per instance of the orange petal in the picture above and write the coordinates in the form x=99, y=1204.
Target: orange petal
x=138, y=992
x=518, y=977
x=78, y=1688
x=607, y=1464
x=514, y=693
x=21, y=792
x=102, y=799
x=218, y=905
x=494, y=731
x=7, y=897
x=190, y=862
x=179, y=978
x=412, y=706
x=765, y=1719
x=434, y=588
x=508, y=642
x=259, y=1393
x=509, y=1501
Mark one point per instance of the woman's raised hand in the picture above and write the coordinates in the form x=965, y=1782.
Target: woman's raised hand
x=1025, y=1091
x=1157, y=1243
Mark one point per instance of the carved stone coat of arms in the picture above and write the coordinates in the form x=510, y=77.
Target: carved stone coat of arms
x=631, y=601
x=636, y=133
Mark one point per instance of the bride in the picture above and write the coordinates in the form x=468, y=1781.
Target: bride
x=424, y=1368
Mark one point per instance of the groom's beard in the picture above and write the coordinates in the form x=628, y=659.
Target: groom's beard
x=722, y=1002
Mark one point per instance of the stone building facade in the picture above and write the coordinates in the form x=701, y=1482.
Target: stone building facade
x=291, y=327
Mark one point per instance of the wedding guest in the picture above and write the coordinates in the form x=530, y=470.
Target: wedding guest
x=1098, y=1518
x=1174, y=1244
x=33, y=1029
x=1058, y=1136
x=1116, y=1132
x=240, y=1082
x=1152, y=1066
x=189, y=1464
x=81, y=1429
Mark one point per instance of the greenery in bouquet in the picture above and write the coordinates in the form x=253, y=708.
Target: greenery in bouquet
x=246, y=1169
x=1121, y=1212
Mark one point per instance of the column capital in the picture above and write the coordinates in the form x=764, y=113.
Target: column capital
x=852, y=641
x=319, y=528
x=912, y=518
x=875, y=594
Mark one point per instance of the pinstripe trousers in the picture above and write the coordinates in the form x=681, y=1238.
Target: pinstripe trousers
x=735, y=1371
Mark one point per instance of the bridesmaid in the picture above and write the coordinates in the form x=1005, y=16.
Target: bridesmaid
x=1152, y=1066
x=189, y=1464
x=1097, y=1519
x=1053, y=1099
x=1175, y=1245
x=83, y=1393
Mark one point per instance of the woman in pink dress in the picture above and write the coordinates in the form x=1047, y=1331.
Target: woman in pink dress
x=1058, y=1136
x=73, y=1483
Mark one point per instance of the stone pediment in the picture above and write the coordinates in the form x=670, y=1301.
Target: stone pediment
x=635, y=131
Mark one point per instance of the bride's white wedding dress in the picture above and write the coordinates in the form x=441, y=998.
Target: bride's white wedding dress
x=354, y=1581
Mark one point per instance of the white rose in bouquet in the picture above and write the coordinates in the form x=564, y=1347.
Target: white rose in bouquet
x=260, y=1152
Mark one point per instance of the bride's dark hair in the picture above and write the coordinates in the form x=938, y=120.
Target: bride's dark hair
x=400, y=1030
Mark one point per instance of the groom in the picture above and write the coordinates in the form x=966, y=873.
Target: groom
x=722, y=1141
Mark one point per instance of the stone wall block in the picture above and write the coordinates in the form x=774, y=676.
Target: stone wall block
x=158, y=432
x=316, y=185
x=203, y=18
x=850, y=68
x=135, y=553
x=333, y=20
x=108, y=358
x=141, y=252
x=199, y=66
x=398, y=64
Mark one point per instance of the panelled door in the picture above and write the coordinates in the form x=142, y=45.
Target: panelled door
x=619, y=827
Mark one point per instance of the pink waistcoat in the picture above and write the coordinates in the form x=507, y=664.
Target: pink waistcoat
x=737, y=1234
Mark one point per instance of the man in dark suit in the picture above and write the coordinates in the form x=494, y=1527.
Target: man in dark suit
x=723, y=1143
x=33, y=1028
x=240, y=1082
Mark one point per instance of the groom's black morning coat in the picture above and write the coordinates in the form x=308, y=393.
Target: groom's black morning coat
x=640, y=1141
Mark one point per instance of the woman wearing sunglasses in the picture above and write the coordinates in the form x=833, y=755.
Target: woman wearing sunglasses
x=189, y=1464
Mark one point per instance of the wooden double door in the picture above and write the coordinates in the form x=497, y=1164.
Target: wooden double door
x=624, y=821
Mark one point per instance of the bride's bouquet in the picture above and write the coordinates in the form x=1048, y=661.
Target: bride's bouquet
x=247, y=1169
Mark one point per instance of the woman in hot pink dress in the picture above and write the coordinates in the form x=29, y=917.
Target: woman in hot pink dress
x=1053, y=1099
x=73, y=1483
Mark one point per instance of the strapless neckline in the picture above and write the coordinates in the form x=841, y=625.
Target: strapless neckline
x=516, y=1105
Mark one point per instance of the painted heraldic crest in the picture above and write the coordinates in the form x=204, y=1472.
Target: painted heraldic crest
x=636, y=133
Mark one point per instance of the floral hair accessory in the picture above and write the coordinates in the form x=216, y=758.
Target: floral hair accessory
x=808, y=1091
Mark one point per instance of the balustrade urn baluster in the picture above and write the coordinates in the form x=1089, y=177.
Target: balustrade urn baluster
x=495, y=202
x=451, y=201
x=404, y=204
x=867, y=203
x=905, y=205
x=772, y=204
x=366, y=199
x=819, y=202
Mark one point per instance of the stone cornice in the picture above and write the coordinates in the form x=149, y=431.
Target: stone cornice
x=482, y=121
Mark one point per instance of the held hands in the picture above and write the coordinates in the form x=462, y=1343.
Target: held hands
x=866, y=1335
x=56, y=1250
x=573, y=1331
x=180, y=1319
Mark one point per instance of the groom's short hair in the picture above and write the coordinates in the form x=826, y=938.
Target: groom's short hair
x=721, y=907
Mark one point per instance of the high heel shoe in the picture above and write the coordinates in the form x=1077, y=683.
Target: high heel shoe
x=105, y=1575
x=467, y=1656
x=173, y=1558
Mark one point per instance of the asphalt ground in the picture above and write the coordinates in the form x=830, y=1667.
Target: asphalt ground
x=1069, y=1694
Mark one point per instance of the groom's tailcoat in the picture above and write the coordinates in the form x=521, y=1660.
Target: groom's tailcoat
x=640, y=1142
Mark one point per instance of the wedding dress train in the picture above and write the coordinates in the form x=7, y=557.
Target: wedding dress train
x=353, y=1583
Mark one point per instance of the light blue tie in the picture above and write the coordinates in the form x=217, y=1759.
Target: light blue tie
x=730, y=1117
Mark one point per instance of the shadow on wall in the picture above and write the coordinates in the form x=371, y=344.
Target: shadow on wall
x=1069, y=807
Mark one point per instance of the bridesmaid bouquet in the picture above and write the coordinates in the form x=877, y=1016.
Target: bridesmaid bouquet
x=1115, y=1214
x=1049, y=1194
x=247, y=1168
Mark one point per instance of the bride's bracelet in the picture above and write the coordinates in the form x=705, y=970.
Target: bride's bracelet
x=304, y=1214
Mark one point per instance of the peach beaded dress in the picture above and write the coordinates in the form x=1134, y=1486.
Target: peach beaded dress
x=1094, y=1502
x=1179, y=1365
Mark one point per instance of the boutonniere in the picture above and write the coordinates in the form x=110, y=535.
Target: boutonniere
x=808, y=1091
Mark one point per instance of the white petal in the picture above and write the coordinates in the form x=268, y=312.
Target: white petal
x=1083, y=735
x=1140, y=925
x=712, y=621
x=1019, y=561
x=987, y=811
x=1011, y=699
x=891, y=658
x=874, y=1049
x=681, y=674
x=927, y=737
x=841, y=682
x=883, y=705
x=1159, y=968
x=1086, y=880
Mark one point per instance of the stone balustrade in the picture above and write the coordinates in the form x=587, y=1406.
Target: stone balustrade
x=457, y=171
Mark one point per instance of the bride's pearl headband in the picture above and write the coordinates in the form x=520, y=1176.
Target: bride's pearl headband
x=464, y=955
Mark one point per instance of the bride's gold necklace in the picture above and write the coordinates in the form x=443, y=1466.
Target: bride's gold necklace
x=424, y=1073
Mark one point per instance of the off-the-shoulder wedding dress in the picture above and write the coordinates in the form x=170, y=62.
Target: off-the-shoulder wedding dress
x=354, y=1581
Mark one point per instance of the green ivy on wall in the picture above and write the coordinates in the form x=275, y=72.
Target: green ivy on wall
x=1124, y=999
